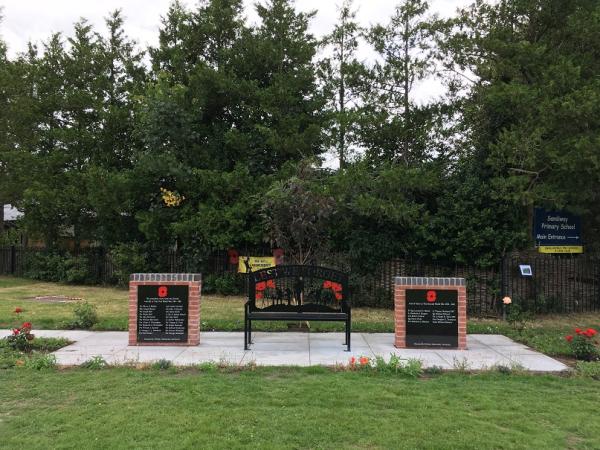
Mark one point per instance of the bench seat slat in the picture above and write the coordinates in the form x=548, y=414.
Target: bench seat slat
x=297, y=316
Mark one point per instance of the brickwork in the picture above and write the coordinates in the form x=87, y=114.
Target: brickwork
x=451, y=284
x=193, y=281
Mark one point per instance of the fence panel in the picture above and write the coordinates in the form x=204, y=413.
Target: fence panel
x=560, y=283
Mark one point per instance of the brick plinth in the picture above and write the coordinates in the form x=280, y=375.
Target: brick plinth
x=402, y=284
x=193, y=281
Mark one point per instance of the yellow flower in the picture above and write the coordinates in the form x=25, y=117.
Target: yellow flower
x=170, y=198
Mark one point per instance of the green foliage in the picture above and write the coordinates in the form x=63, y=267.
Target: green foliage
x=585, y=344
x=412, y=368
x=226, y=284
x=588, y=369
x=128, y=258
x=297, y=214
x=40, y=361
x=86, y=316
x=162, y=364
x=21, y=338
x=10, y=237
x=517, y=317
x=45, y=266
x=229, y=108
x=95, y=363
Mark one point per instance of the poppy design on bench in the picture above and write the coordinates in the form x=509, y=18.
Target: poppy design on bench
x=297, y=293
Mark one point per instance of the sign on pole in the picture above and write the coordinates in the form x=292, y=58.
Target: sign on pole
x=557, y=232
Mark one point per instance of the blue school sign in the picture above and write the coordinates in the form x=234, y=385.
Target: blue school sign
x=557, y=232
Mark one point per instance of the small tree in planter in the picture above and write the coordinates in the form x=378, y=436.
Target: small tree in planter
x=297, y=213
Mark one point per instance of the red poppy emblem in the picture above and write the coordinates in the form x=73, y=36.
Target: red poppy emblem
x=431, y=296
x=162, y=291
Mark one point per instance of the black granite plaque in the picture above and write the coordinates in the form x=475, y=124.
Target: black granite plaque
x=162, y=313
x=431, y=318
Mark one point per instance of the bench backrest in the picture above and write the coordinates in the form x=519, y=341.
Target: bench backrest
x=297, y=288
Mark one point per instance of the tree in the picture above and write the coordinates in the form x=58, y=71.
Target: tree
x=4, y=101
x=288, y=120
x=532, y=102
x=297, y=214
x=342, y=75
x=395, y=128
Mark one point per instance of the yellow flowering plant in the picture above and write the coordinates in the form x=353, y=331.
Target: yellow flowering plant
x=171, y=199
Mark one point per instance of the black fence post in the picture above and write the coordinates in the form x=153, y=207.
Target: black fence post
x=13, y=259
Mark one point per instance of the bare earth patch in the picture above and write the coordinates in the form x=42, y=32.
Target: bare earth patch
x=56, y=299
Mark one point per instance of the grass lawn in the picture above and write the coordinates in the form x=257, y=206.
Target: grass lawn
x=217, y=313
x=293, y=408
x=545, y=333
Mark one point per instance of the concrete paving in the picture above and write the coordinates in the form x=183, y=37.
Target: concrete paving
x=297, y=349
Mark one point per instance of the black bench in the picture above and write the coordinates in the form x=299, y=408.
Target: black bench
x=297, y=293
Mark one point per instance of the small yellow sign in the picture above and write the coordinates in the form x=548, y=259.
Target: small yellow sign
x=561, y=249
x=253, y=263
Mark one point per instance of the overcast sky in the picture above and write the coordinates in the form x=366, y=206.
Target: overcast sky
x=35, y=20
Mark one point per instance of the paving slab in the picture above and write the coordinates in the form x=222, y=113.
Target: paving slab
x=296, y=349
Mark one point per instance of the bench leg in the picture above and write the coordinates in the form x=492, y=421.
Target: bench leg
x=245, y=333
x=249, y=332
x=348, y=334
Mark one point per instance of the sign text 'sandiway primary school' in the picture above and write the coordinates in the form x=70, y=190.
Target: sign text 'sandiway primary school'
x=557, y=232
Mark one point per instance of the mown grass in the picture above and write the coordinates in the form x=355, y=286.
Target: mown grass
x=293, y=408
x=545, y=333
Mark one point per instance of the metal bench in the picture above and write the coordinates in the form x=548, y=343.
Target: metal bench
x=297, y=293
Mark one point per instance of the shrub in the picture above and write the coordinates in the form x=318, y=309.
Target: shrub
x=226, y=284
x=95, y=363
x=45, y=266
x=38, y=361
x=85, y=316
x=162, y=364
x=584, y=344
x=517, y=317
x=77, y=270
x=21, y=338
x=433, y=370
x=208, y=366
x=412, y=368
x=128, y=258
x=588, y=369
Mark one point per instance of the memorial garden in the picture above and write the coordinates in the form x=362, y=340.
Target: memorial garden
x=254, y=232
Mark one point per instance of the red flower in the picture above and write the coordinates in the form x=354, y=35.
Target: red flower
x=353, y=361
x=363, y=360
x=259, y=295
x=431, y=296
x=338, y=296
x=18, y=310
x=261, y=286
x=337, y=287
x=327, y=284
x=591, y=332
x=271, y=284
x=26, y=325
x=16, y=331
x=578, y=330
x=569, y=338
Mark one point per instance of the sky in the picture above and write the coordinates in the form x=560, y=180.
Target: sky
x=35, y=20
